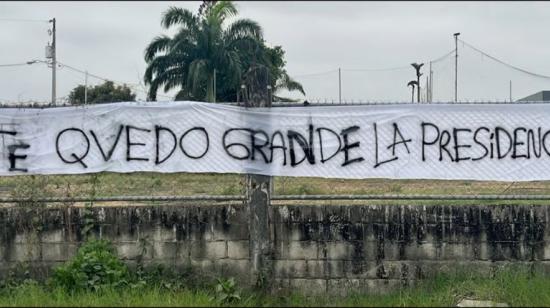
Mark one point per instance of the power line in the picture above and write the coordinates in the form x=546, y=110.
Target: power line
x=504, y=63
x=23, y=20
x=135, y=86
x=442, y=57
x=376, y=69
x=14, y=64
x=315, y=74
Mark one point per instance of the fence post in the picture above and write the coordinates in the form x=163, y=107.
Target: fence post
x=258, y=192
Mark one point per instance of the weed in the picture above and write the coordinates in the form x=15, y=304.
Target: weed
x=94, y=267
x=226, y=291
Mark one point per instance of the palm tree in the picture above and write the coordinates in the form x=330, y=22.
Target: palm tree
x=285, y=82
x=202, y=46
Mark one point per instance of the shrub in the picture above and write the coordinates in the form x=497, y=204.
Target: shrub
x=226, y=292
x=94, y=267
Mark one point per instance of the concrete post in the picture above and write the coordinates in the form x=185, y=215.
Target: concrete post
x=258, y=190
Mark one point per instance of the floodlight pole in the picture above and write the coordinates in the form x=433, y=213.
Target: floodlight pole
x=54, y=63
x=86, y=88
x=456, y=64
x=339, y=85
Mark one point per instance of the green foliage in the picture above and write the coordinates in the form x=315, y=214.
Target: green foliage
x=94, y=267
x=103, y=93
x=16, y=277
x=88, y=217
x=206, y=46
x=226, y=291
x=516, y=286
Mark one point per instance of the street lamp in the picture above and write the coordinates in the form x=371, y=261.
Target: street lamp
x=418, y=74
x=412, y=84
x=456, y=63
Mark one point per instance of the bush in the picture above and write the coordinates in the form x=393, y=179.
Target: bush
x=226, y=292
x=94, y=267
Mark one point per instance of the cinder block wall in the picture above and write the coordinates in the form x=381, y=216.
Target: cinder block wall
x=316, y=249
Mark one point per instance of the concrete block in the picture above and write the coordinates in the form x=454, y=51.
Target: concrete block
x=164, y=251
x=183, y=253
x=380, y=286
x=290, y=269
x=456, y=252
x=209, y=269
x=330, y=268
x=166, y=234
x=339, y=250
x=26, y=237
x=238, y=249
x=208, y=250
x=309, y=286
x=233, y=232
x=234, y=268
x=58, y=251
x=53, y=236
x=302, y=250
x=200, y=232
x=424, y=251
x=23, y=252
x=133, y=250
x=343, y=287
x=546, y=254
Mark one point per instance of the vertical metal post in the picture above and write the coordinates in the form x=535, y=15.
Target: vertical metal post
x=339, y=85
x=456, y=65
x=427, y=99
x=431, y=83
x=54, y=63
x=86, y=88
x=510, y=91
x=214, y=85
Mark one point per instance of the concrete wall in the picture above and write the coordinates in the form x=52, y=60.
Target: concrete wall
x=317, y=249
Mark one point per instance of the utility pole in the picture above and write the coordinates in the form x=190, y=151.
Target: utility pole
x=510, y=91
x=54, y=63
x=339, y=85
x=86, y=88
x=431, y=83
x=258, y=191
x=427, y=97
x=456, y=64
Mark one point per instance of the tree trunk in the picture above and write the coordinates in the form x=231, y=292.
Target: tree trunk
x=210, y=88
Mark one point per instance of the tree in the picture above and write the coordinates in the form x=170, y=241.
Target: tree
x=103, y=93
x=205, y=50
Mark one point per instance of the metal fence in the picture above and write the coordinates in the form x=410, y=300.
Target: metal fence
x=123, y=188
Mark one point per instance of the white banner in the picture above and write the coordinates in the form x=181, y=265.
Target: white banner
x=504, y=142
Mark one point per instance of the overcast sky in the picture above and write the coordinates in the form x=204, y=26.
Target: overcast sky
x=108, y=39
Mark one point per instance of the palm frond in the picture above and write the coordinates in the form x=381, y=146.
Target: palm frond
x=176, y=15
x=159, y=44
x=244, y=28
x=222, y=10
x=286, y=82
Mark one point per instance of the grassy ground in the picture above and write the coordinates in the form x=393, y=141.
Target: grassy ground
x=157, y=184
x=515, y=288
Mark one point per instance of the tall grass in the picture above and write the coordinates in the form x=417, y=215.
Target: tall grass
x=513, y=286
